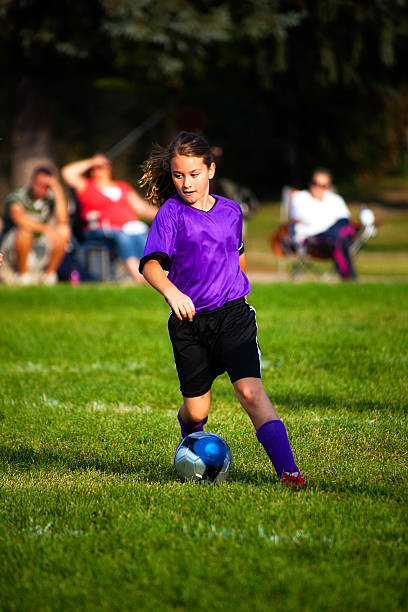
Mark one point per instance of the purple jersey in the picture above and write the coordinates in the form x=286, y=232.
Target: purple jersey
x=201, y=250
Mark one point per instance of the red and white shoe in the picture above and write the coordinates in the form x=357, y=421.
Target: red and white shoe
x=294, y=480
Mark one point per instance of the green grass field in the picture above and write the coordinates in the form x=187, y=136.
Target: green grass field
x=92, y=514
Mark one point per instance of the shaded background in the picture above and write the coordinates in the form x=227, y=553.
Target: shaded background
x=280, y=86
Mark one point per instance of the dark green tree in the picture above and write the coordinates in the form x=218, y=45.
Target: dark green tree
x=330, y=74
x=285, y=80
x=65, y=46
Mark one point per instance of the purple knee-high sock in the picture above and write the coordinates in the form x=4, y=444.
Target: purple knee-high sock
x=187, y=429
x=273, y=437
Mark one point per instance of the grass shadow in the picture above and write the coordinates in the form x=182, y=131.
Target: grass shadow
x=24, y=458
x=252, y=477
x=304, y=400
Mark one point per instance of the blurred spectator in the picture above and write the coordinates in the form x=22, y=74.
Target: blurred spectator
x=321, y=218
x=36, y=214
x=110, y=209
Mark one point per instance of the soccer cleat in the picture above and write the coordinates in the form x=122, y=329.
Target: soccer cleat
x=294, y=480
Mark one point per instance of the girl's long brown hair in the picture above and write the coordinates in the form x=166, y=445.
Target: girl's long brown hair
x=156, y=177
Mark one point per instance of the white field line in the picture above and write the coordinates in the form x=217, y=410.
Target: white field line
x=30, y=367
x=299, y=537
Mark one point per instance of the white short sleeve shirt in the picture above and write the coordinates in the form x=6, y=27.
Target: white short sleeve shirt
x=315, y=216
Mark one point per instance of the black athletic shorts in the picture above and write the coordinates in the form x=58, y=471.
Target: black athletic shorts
x=218, y=341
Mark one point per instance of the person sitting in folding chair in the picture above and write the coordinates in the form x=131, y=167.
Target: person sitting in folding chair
x=110, y=209
x=320, y=222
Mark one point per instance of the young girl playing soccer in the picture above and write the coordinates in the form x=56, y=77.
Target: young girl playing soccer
x=197, y=238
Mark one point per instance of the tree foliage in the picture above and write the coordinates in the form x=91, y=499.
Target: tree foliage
x=302, y=76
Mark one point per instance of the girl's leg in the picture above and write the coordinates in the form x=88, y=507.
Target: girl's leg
x=253, y=398
x=270, y=431
x=193, y=413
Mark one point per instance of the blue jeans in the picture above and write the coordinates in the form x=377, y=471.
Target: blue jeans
x=338, y=239
x=127, y=245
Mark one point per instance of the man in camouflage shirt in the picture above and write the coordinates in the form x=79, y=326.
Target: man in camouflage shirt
x=35, y=210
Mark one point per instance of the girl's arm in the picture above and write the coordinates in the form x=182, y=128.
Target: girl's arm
x=181, y=304
x=243, y=262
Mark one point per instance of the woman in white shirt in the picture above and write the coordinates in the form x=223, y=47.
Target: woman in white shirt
x=321, y=217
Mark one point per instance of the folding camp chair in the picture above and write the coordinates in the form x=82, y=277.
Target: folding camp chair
x=303, y=258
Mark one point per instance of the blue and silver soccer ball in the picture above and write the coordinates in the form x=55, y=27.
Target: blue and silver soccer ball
x=203, y=456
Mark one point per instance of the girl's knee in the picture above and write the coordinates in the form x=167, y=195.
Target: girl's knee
x=253, y=398
x=249, y=392
x=193, y=415
x=195, y=410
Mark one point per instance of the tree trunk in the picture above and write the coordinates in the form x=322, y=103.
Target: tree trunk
x=31, y=140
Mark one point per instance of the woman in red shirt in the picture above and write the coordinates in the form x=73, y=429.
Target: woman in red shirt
x=110, y=209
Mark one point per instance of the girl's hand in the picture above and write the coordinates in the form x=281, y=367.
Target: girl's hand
x=181, y=304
